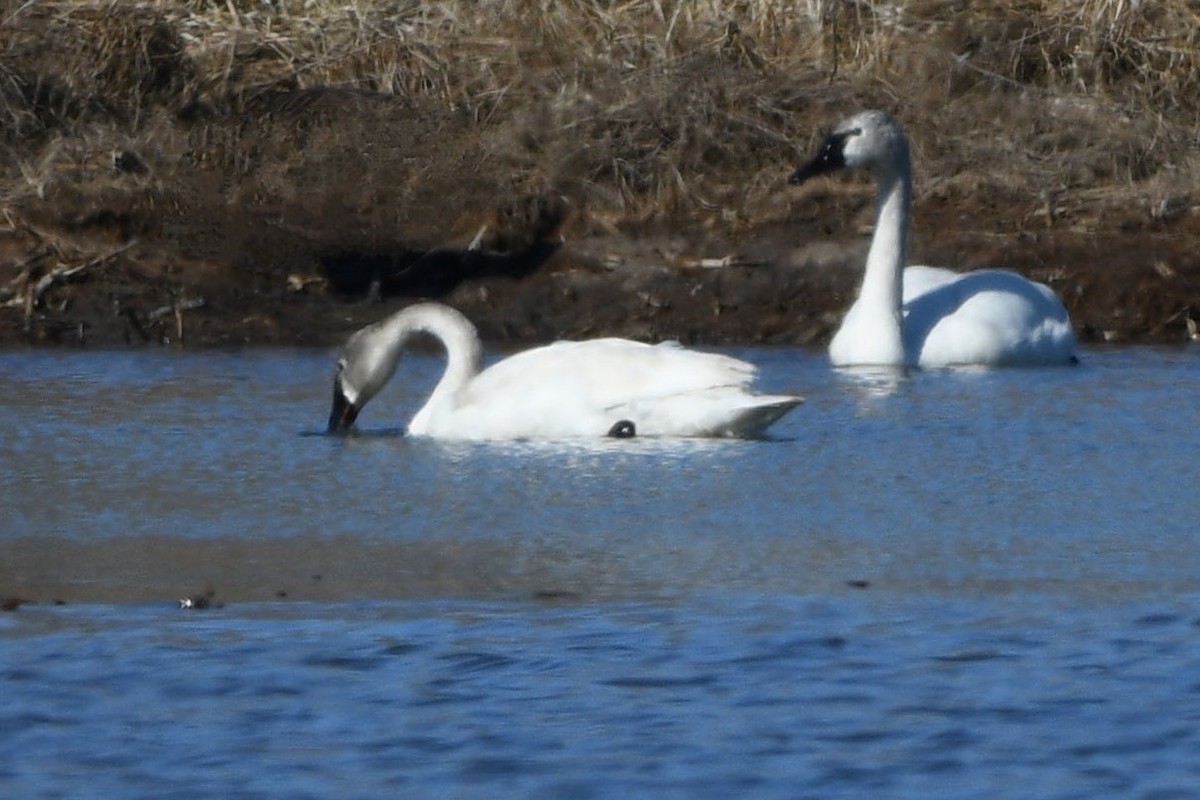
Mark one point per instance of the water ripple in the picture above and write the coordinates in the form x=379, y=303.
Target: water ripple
x=956, y=585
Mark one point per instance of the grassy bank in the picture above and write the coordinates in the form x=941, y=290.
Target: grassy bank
x=1055, y=115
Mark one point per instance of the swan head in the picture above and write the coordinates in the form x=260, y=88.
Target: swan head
x=869, y=140
x=345, y=402
x=364, y=366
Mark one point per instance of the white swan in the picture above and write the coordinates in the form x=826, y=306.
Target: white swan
x=928, y=316
x=602, y=387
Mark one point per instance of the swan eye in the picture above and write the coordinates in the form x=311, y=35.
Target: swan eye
x=623, y=429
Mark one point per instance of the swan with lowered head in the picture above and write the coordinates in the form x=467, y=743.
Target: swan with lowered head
x=929, y=316
x=601, y=387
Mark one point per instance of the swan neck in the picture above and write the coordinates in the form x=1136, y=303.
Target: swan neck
x=883, y=280
x=464, y=351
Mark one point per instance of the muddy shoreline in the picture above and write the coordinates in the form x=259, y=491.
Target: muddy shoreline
x=314, y=213
x=98, y=287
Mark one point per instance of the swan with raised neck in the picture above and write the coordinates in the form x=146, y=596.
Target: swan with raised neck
x=601, y=387
x=929, y=316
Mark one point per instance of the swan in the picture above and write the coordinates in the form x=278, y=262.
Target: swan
x=929, y=316
x=600, y=387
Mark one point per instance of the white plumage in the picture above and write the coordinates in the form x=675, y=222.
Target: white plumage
x=929, y=316
x=600, y=387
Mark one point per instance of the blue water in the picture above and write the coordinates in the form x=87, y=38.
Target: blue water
x=951, y=584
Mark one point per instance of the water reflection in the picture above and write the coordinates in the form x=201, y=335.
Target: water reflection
x=872, y=383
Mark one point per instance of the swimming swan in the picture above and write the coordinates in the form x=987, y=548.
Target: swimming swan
x=928, y=316
x=601, y=387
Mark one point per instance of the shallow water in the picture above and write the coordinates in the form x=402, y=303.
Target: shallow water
x=946, y=584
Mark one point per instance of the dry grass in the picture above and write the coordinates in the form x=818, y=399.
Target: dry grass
x=646, y=108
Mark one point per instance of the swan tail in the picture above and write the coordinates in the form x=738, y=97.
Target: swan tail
x=721, y=413
x=752, y=421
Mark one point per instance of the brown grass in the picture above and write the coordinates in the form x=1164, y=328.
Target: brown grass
x=655, y=106
x=643, y=109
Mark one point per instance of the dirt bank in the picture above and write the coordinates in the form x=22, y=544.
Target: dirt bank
x=103, y=267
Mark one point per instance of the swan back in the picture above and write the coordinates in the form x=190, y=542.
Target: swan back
x=569, y=389
x=987, y=316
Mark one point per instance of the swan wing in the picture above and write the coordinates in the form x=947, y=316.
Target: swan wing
x=983, y=317
x=613, y=371
x=584, y=388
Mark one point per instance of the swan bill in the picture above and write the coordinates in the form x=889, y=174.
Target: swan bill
x=830, y=158
x=343, y=413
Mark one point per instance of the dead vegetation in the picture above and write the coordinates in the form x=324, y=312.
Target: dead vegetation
x=362, y=127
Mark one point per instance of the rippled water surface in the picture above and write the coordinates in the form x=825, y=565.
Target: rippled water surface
x=954, y=584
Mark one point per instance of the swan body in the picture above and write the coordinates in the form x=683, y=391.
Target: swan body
x=600, y=387
x=929, y=316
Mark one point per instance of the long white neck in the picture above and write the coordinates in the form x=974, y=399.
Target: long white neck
x=464, y=351
x=872, y=333
x=882, y=285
